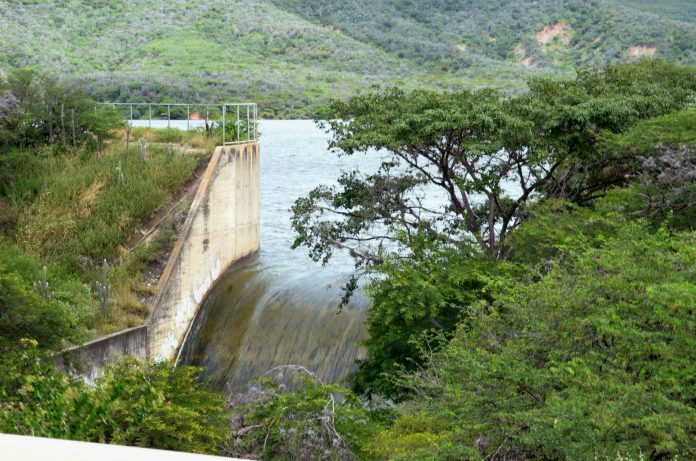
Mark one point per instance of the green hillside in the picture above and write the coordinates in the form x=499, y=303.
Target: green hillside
x=683, y=10
x=291, y=55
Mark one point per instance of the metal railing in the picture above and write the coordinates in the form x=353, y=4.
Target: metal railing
x=237, y=122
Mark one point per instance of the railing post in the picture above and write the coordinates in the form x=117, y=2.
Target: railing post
x=149, y=117
x=248, y=122
x=237, y=123
x=188, y=117
x=223, y=123
x=131, y=115
x=62, y=122
x=169, y=116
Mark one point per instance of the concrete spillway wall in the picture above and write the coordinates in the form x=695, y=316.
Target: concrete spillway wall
x=222, y=228
x=93, y=356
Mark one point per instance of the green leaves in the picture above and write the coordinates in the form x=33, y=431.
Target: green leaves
x=298, y=417
x=484, y=155
x=25, y=315
x=37, y=110
x=418, y=303
x=132, y=404
x=595, y=357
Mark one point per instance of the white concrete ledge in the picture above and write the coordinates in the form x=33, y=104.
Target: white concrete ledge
x=23, y=448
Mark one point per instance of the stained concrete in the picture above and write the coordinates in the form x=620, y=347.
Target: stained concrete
x=222, y=228
x=93, y=356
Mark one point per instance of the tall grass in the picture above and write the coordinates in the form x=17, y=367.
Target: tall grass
x=75, y=209
x=88, y=207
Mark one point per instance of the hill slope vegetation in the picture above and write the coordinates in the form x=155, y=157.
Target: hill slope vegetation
x=291, y=56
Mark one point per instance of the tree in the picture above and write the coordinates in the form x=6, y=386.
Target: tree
x=38, y=110
x=417, y=305
x=664, y=185
x=486, y=155
x=459, y=173
x=593, y=360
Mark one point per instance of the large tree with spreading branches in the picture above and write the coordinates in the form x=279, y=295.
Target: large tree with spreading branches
x=484, y=153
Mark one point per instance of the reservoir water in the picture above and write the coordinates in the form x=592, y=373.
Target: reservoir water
x=282, y=308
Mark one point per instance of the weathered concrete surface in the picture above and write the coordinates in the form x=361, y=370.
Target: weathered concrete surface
x=222, y=227
x=24, y=448
x=93, y=356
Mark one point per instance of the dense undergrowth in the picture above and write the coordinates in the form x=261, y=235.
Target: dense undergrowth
x=74, y=211
x=555, y=326
x=73, y=206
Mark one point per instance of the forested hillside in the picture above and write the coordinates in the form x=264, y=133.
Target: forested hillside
x=291, y=56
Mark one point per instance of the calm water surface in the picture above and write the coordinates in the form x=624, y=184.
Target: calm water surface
x=282, y=308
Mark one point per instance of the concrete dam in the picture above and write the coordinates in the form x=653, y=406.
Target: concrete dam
x=222, y=229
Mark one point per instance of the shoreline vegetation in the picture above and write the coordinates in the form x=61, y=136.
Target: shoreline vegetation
x=555, y=325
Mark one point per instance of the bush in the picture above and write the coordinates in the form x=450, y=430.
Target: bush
x=594, y=359
x=36, y=110
x=131, y=404
x=415, y=300
x=68, y=299
x=295, y=416
x=24, y=314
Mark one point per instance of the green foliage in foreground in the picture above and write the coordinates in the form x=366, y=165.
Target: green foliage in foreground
x=415, y=303
x=594, y=359
x=309, y=420
x=132, y=404
x=475, y=148
x=491, y=159
x=671, y=130
x=25, y=314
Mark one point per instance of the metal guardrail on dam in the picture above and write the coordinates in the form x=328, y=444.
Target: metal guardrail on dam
x=236, y=121
x=25, y=448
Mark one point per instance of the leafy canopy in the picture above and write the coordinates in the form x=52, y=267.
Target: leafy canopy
x=485, y=155
x=131, y=404
x=37, y=110
x=595, y=358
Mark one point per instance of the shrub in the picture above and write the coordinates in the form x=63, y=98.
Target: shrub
x=414, y=301
x=595, y=358
x=24, y=314
x=36, y=110
x=298, y=418
x=131, y=404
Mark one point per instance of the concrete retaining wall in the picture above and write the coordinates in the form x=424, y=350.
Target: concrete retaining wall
x=222, y=227
x=25, y=448
x=95, y=355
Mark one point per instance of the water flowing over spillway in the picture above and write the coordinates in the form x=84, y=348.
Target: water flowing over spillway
x=282, y=309
x=252, y=321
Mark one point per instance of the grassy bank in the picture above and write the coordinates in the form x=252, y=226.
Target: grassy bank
x=72, y=210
